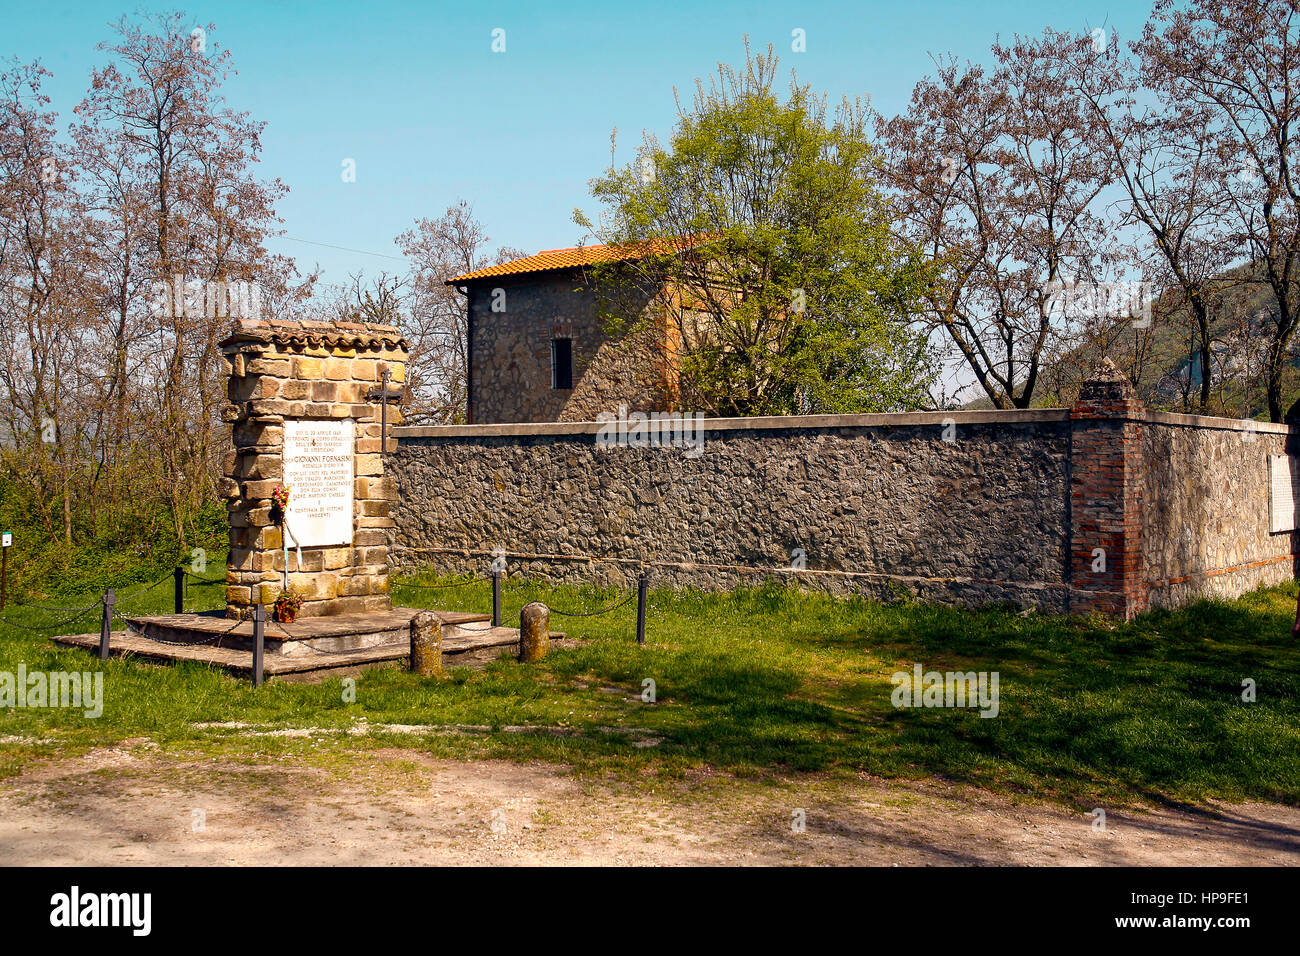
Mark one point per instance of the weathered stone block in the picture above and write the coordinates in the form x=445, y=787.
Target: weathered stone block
x=272, y=408
x=308, y=368
x=280, y=368
x=261, y=467
x=351, y=392
x=259, y=490
x=324, y=585
x=297, y=390
x=268, y=435
x=335, y=558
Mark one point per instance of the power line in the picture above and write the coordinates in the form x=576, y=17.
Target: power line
x=327, y=245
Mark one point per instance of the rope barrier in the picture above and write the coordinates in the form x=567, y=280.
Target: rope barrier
x=281, y=628
x=361, y=650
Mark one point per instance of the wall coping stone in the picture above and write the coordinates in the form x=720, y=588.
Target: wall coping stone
x=1224, y=424
x=757, y=423
x=770, y=422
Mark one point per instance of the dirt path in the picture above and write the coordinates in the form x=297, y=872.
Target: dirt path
x=132, y=805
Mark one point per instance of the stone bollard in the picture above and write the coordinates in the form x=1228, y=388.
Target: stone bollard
x=534, y=631
x=426, y=644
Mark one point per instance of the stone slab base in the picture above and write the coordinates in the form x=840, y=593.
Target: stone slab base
x=305, y=635
x=468, y=639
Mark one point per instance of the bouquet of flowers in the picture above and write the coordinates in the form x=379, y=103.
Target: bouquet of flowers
x=279, y=503
x=287, y=605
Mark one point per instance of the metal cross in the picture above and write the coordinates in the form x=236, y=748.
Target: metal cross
x=383, y=394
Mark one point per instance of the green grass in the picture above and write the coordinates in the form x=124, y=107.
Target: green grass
x=765, y=682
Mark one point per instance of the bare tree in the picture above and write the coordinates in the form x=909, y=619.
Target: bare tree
x=996, y=182
x=436, y=324
x=44, y=415
x=1163, y=157
x=1238, y=63
x=176, y=203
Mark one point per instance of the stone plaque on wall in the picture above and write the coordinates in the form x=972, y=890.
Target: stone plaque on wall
x=318, y=472
x=1283, y=493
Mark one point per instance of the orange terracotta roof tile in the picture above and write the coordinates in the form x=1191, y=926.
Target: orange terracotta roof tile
x=309, y=332
x=554, y=259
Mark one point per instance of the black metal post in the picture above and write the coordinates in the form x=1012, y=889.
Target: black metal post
x=259, y=641
x=179, y=577
x=496, y=598
x=106, y=623
x=642, y=584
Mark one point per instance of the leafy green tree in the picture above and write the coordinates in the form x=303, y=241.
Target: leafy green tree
x=781, y=289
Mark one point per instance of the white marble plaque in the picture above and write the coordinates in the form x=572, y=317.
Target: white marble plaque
x=318, y=473
x=1283, y=493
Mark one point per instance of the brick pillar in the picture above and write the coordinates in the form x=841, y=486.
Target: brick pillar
x=1107, y=481
x=288, y=371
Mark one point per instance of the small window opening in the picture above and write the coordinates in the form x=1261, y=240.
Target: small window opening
x=561, y=363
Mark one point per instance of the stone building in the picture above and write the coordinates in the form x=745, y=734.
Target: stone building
x=538, y=351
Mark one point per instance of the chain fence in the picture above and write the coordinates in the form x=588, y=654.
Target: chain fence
x=613, y=607
x=202, y=642
x=184, y=577
x=202, y=581
x=39, y=628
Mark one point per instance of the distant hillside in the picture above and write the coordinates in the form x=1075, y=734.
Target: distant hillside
x=1165, y=362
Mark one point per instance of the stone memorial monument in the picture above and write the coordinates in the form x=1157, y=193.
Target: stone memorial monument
x=309, y=405
x=310, y=408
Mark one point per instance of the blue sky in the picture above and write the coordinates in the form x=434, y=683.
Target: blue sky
x=414, y=94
